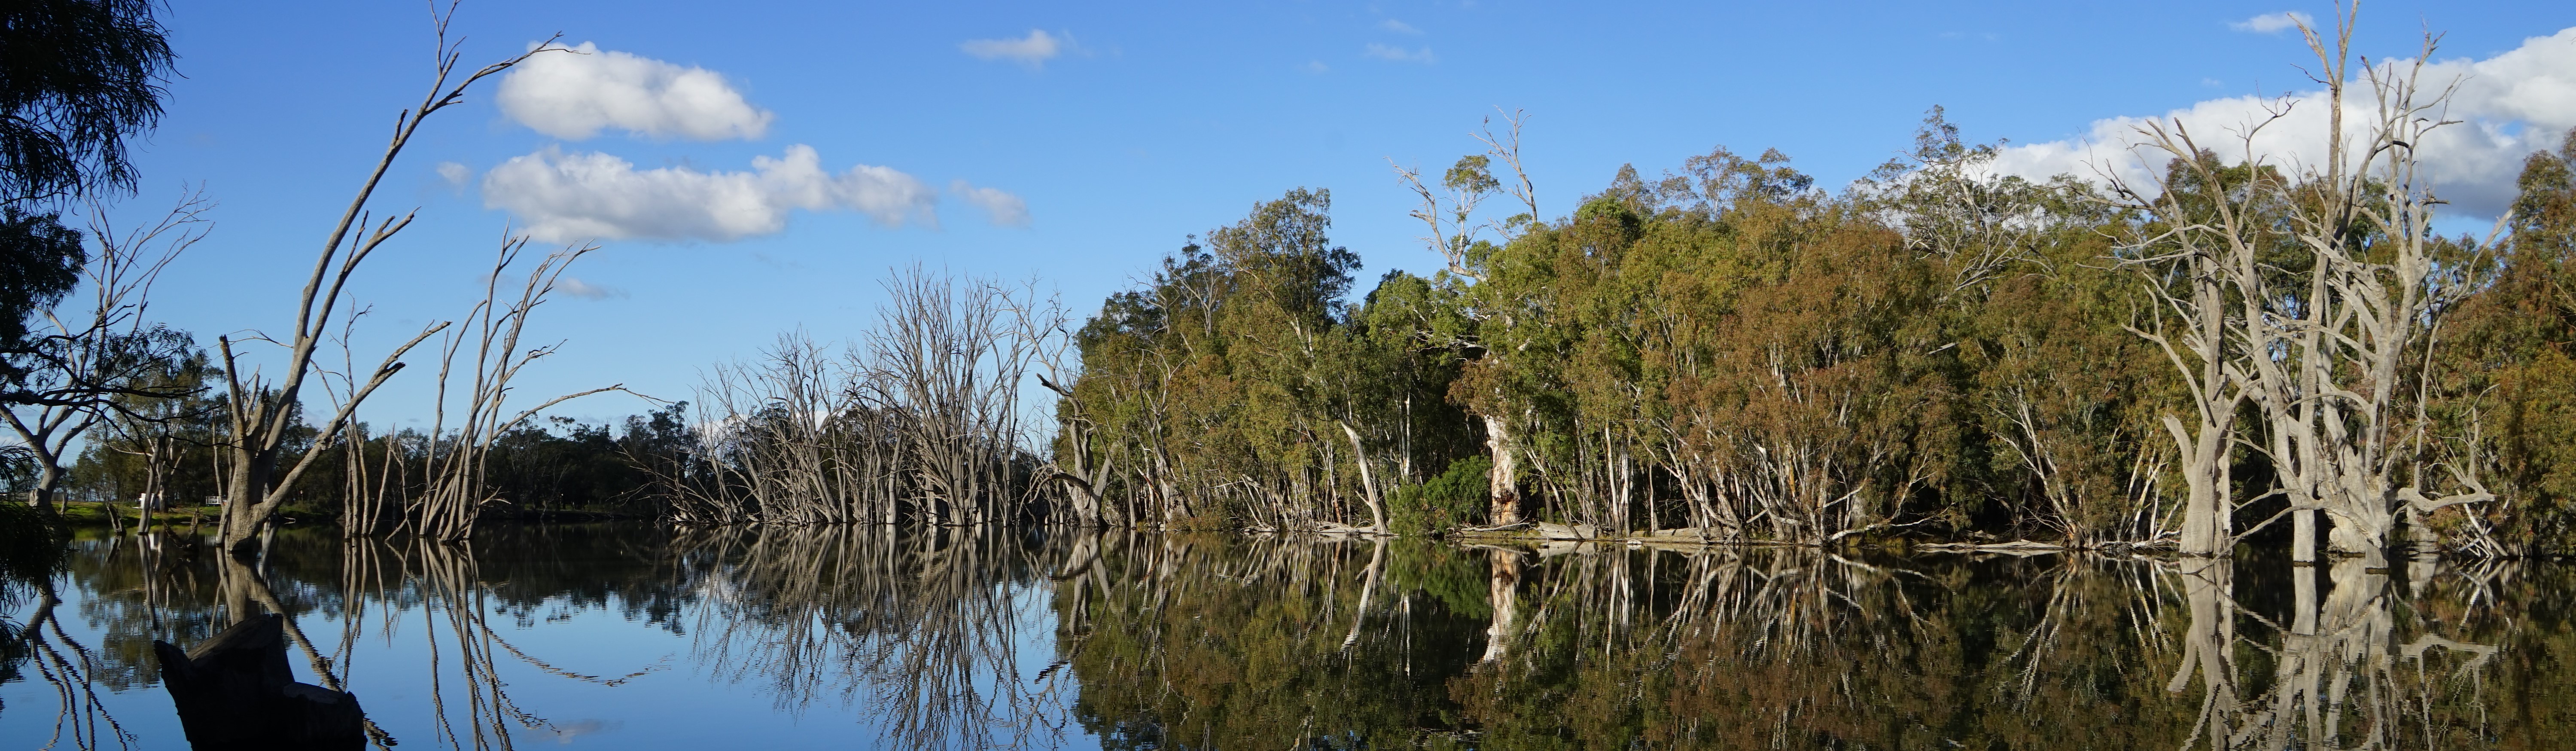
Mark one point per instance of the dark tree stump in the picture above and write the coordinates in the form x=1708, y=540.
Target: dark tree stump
x=234, y=691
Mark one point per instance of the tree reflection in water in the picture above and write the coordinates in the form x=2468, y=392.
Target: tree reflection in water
x=1213, y=642
x=922, y=626
x=961, y=638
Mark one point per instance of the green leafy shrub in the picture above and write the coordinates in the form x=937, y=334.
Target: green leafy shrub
x=1458, y=496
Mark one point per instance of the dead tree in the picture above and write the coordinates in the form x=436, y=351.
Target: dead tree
x=91, y=362
x=953, y=366
x=2326, y=356
x=2192, y=261
x=2378, y=292
x=263, y=411
x=456, y=460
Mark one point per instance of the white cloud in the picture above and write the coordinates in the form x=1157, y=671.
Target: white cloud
x=565, y=197
x=1033, y=50
x=585, y=290
x=574, y=95
x=2509, y=105
x=1317, y=67
x=1400, y=54
x=2272, y=22
x=1004, y=209
x=1399, y=27
x=454, y=173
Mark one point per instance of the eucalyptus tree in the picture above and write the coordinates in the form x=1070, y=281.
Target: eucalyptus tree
x=1222, y=381
x=2380, y=282
x=1459, y=234
x=88, y=364
x=458, y=462
x=2510, y=368
x=77, y=78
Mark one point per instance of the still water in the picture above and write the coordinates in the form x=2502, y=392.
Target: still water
x=640, y=637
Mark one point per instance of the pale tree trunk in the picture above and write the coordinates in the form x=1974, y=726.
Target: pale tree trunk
x=263, y=414
x=48, y=477
x=1503, y=598
x=2207, y=527
x=2209, y=644
x=1368, y=479
x=2374, y=262
x=1506, y=495
x=1368, y=591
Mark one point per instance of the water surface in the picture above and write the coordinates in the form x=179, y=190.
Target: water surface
x=636, y=636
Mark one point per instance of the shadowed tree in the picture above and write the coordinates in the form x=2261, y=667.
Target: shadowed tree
x=77, y=77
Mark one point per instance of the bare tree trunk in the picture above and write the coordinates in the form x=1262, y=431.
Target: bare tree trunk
x=1503, y=598
x=1368, y=479
x=1501, y=483
x=2209, y=644
x=264, y=415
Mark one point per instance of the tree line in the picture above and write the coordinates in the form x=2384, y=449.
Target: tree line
x=2210, y=354
x=2224, y=352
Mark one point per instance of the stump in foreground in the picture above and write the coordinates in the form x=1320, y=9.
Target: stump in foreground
x=234, y=691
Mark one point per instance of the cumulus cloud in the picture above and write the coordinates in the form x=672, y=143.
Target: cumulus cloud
x=454, y=173
x=2272, y=22
x=1400, y=54
x=585, y=290
x=1001, y=207
x=1032, y=50
x=1399, y=27
x=2508, y=106
x=574, y=95
x=563, y=197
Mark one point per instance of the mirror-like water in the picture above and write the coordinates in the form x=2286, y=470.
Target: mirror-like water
x=840, y=637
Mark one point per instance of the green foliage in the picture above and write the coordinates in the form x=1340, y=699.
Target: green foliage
x=1228, y=386
x=76, y=78
x=1457, y=496
x=2512, y=365
x=40, y=260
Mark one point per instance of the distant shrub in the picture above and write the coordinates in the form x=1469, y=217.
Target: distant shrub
x=1457, y=496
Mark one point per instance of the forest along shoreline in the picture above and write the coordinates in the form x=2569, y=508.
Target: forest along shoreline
x=2197, y=358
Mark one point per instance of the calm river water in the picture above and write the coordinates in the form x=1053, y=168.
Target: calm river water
x=638, y=637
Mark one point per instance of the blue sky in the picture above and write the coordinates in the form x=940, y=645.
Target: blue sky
x=1144, y=123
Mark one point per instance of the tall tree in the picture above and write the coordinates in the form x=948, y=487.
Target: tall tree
x=90, y=362
x=77, y=77
x=265, y=414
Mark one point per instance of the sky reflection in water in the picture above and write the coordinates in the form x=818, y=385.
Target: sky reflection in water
x=631, y=636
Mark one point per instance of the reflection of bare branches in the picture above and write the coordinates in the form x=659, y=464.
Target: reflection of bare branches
x=922, y=623
x=71, y=670
x=2339, y=678
x=1794, y=648
x=450, y=588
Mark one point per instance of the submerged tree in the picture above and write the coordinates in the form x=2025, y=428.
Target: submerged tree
x=264, y=412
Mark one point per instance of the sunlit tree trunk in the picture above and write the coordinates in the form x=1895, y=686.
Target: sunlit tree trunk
x=1505, y=490
x=1503, y=598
